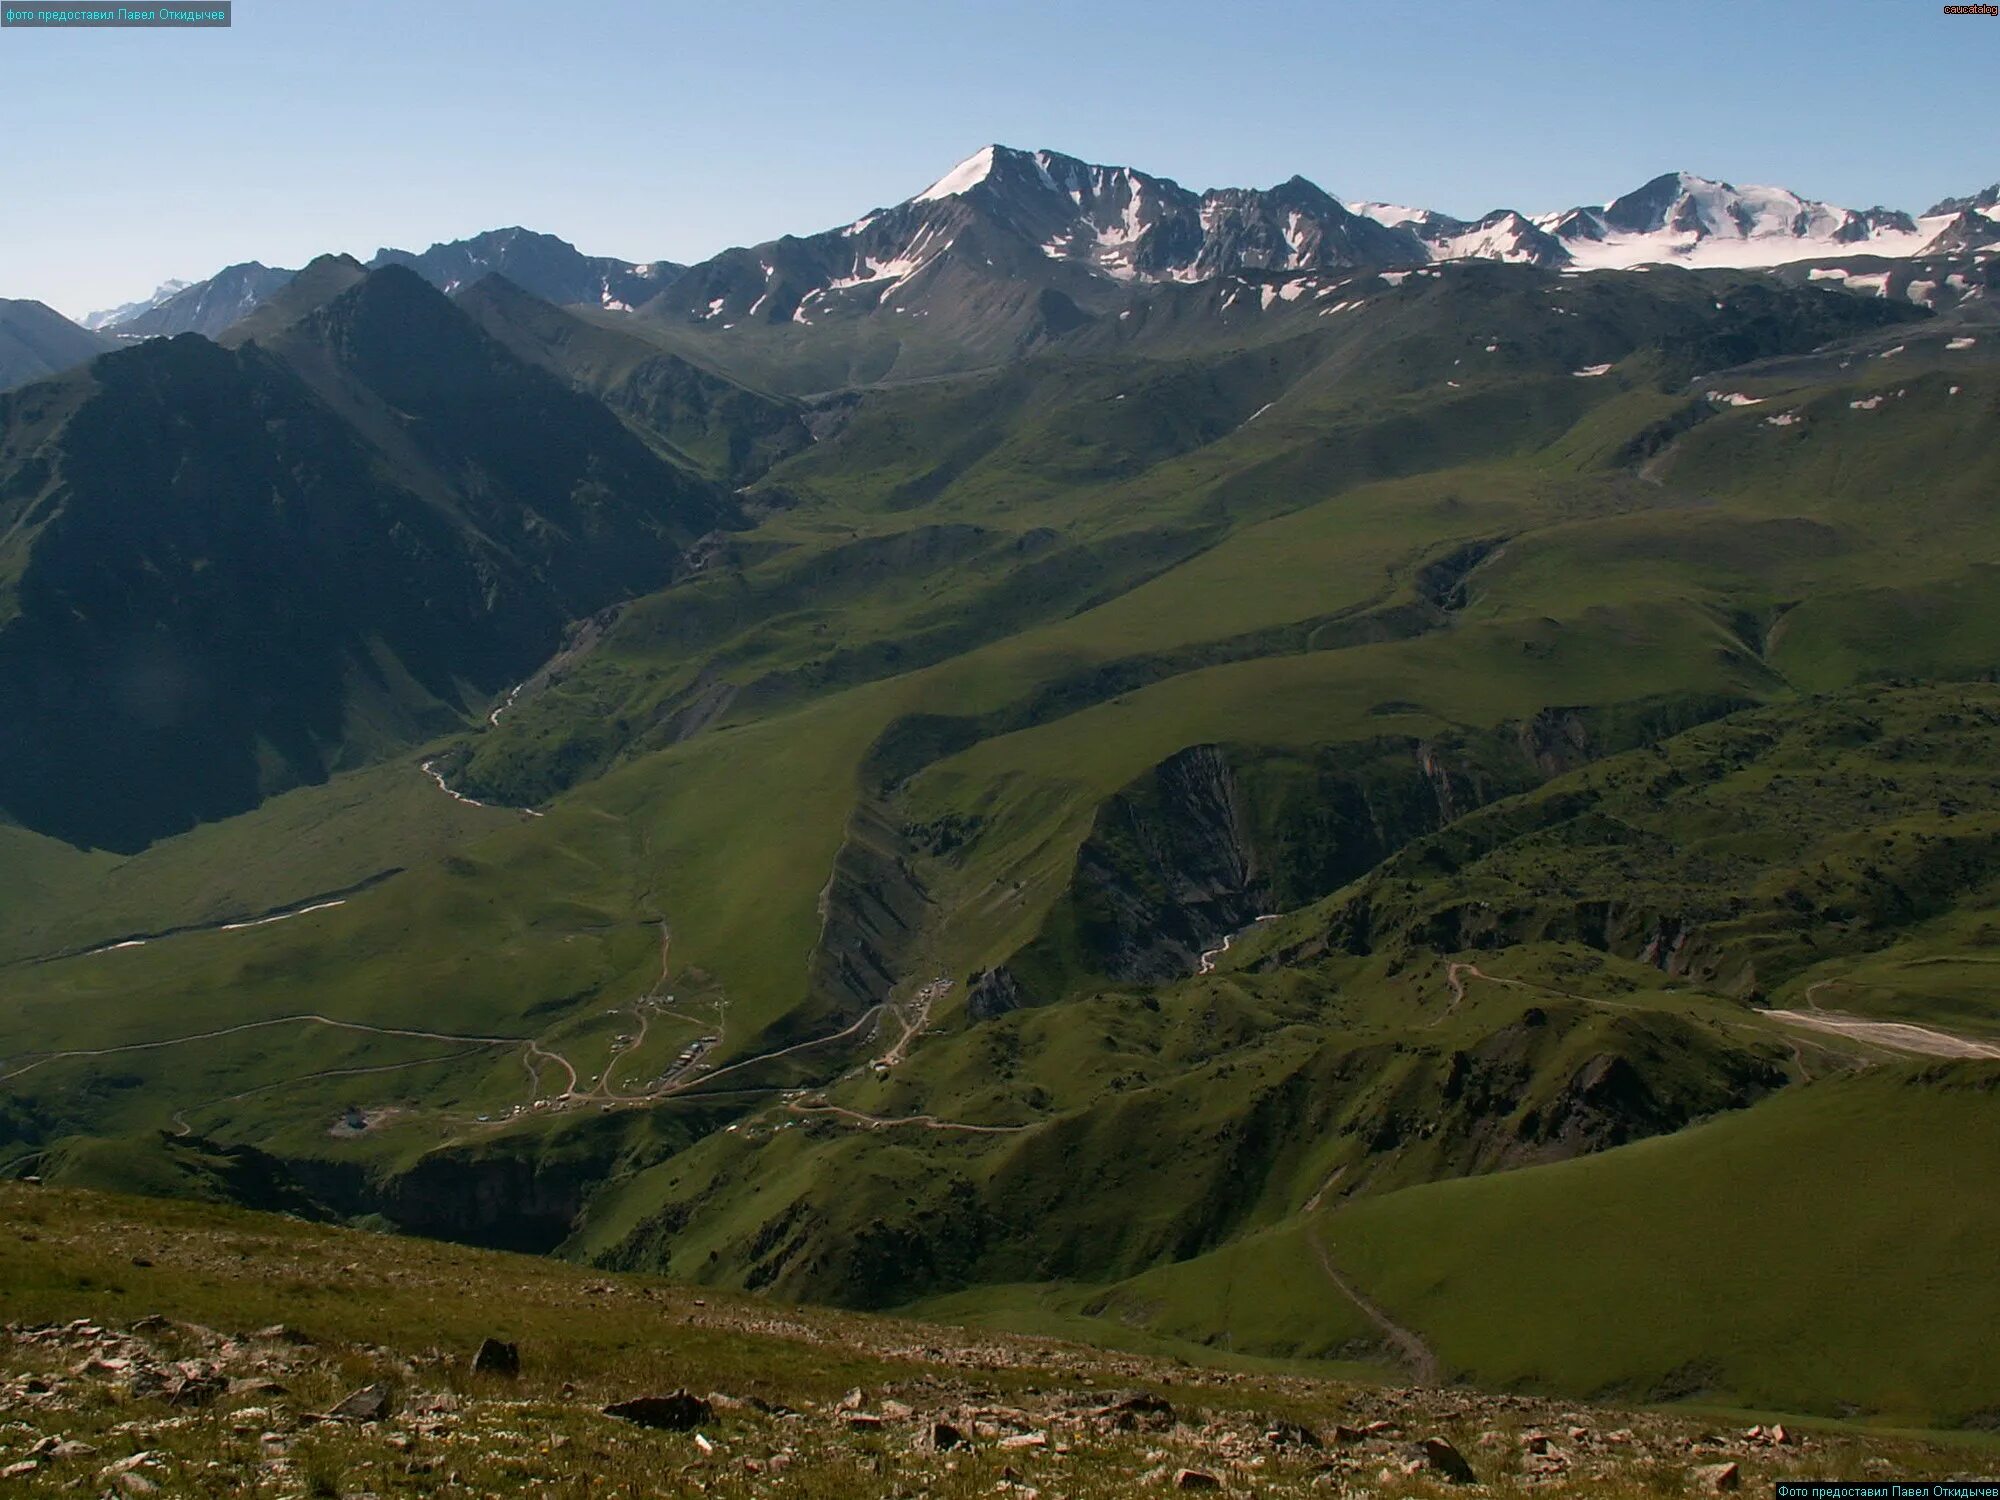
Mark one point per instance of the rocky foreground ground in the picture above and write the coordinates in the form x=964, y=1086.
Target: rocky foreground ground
x=587, y=1385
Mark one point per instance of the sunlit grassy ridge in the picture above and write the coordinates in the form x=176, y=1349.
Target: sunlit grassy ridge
x=1374, y=580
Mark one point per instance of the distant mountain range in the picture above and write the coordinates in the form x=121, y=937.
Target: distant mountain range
x=1016, y=246
x=1008, y=209
x=126, y=312
x=551, y=269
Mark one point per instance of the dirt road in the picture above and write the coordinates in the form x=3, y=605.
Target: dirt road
x=1409, y=1345
x=1214, y=955
x=1897, y=1036
x=307, y=1019
x=882, y=1122
x=431, y=770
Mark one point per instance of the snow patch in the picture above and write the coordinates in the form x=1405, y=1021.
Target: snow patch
x=1961, y=343
x=967, y=175
x=1591, y=372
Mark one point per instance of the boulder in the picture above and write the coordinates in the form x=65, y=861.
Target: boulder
x=1292, y=1435
x=945, y=1438
x=369, y=1404
x=682, y=1411
x=1133, y=1409
x=197, y=1387
x=1718, y=1478
x=1196, y=1479
x=496, y=1357
x=1435, y=1455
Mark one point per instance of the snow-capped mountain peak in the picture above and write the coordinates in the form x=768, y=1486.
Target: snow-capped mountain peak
x=967, y=175
x=111, y=316
x=1682, y=218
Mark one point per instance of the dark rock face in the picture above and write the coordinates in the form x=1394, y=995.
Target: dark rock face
x=1210, y=840
x=1167, y=871
x=993, y=992
x=873, y=907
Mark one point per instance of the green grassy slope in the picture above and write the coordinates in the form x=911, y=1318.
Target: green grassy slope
x=1823, y=1252
x=1818, y=1253
x=297, y=846
x=1016, y=675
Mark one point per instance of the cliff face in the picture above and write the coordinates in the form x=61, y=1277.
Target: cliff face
x=1171, y=863
x=872, y=909
x=1214, y=837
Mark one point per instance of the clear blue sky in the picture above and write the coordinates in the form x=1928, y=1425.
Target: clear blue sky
x=659, y=128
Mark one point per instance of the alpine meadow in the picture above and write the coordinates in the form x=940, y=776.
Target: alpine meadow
x=1076, y=836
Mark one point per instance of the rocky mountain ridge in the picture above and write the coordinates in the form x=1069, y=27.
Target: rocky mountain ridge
x=1086, y=235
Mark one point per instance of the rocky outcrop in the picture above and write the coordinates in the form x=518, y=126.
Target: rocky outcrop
x=871, y=911
x=1169, y=867
x=994, y=992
